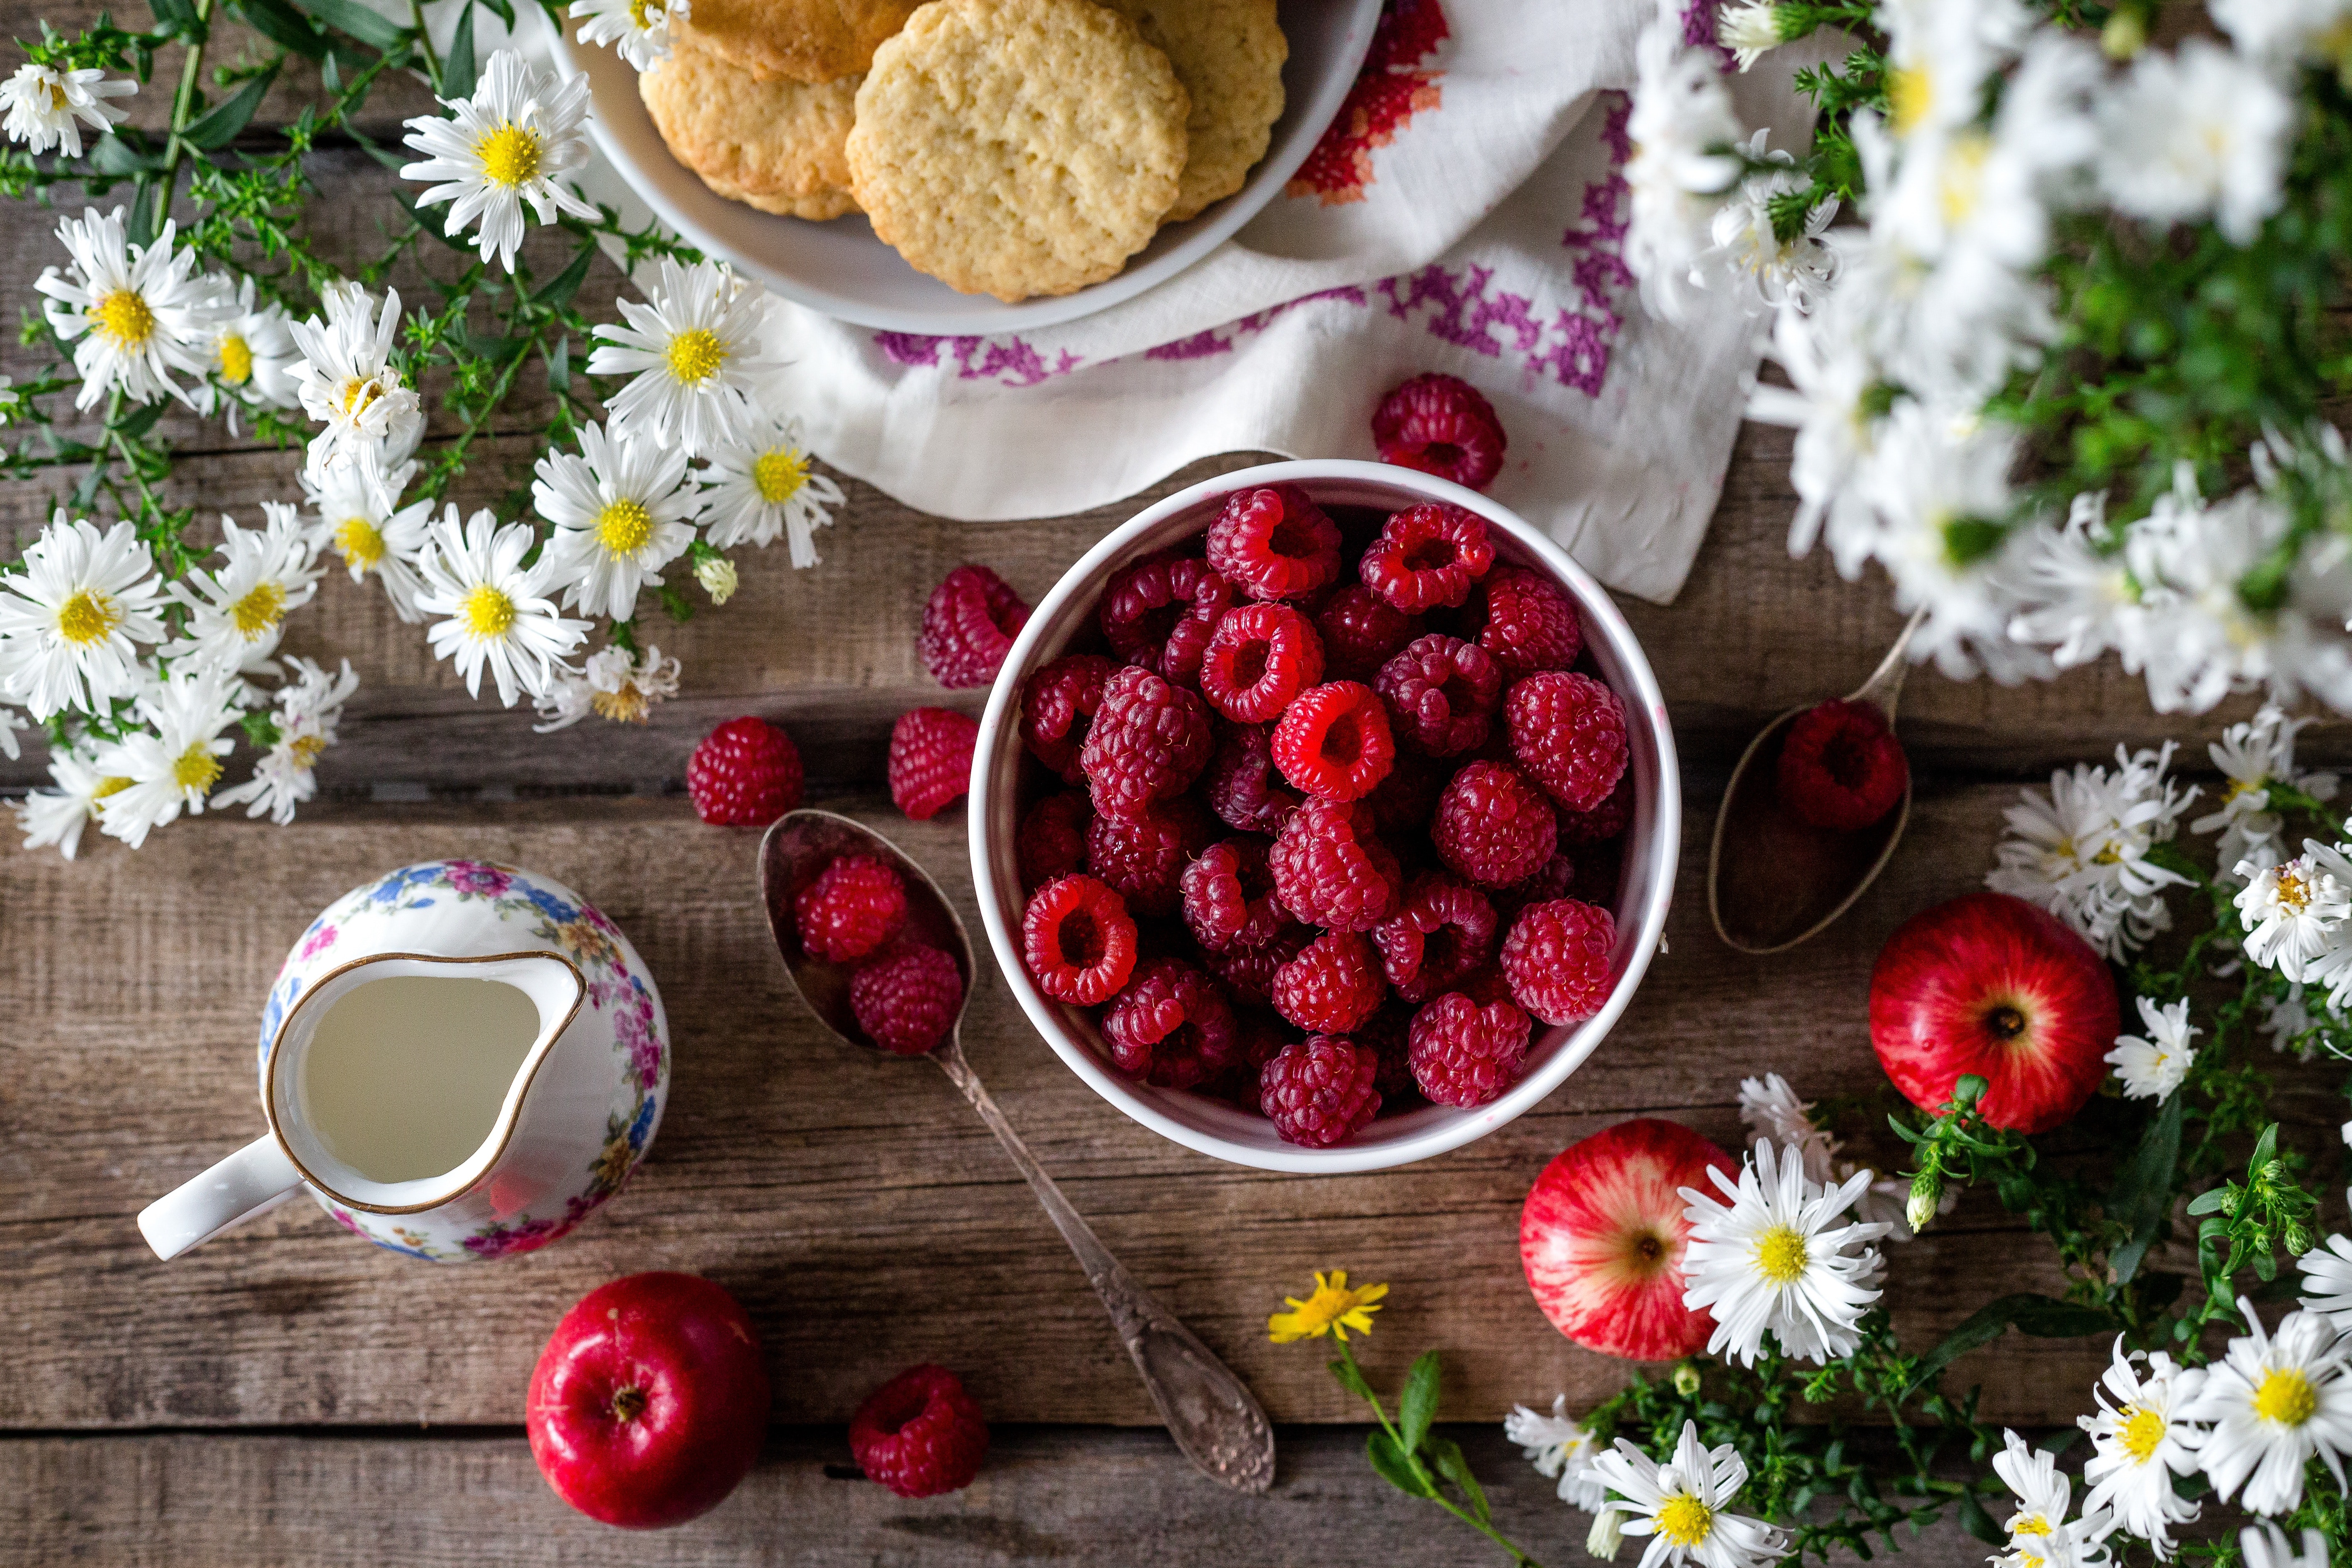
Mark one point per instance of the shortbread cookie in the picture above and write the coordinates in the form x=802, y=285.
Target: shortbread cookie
x=1018, y=147
x=800, y=40
x=776, y=145
x=1229, y=56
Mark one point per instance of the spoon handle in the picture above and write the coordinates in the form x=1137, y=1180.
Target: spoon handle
x=1209, y=1411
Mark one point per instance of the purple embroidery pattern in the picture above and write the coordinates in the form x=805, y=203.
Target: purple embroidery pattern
x=1013, y=362
x=1200, y=345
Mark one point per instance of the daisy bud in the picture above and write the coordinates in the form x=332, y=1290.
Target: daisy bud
x=1686, y=1380
x=2125, y=35
x=2298, y=1240
x=1604, y=1538
x=1926, y=1194
x=718, y=576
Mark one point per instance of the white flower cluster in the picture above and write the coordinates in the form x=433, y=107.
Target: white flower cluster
x=2083, y=850
x=1772, y=1109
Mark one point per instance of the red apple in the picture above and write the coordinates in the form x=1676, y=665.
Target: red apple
x=1991, y=986
x=650, y=1402
x=1603, y=1234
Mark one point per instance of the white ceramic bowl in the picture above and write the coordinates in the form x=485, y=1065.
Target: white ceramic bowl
x=1000, y=767
x=840, y=268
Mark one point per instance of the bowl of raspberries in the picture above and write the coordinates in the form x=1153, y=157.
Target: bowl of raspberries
x=1324, y=816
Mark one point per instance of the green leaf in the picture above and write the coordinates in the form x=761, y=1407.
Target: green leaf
x=135, y=424
x=1389, y=1464
x=1418, y=1405
x=1979, y=1524
x=457, y=65
x=116, y=156
x=179, y=18
x=560, y=289
x=282, y=25
x=2209, y=1201
x=2142, y=1195
x=355, y=20
x=1455, y=1465
x=2039, y=1316
x=219, y=128
x=559, y=367
x=1351, y=1376
x=503, y=10
x=87, y=491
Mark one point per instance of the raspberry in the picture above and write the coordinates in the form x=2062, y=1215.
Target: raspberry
x=1260, y=657
x=920, y=1433
x=1149, y=741
x=1171, y=1025
x=1493, y=825
x=1228, y=896
x=1387, y=1034
x=1427, y=556
x=1159, y=614
x=1441, y=932
x=906, y=997
x=1243, y=787
x=745, y=774
x=1362, y=631
x=969, y=626
x=1319, y=1091
x=1329, y=870
x=1557, y=959
x=1441, y=425
x=1569, y=732
x=1841, y=767
x=1274, y=542
x=1053, y=838
x=1604, y=822
x=1058, y=704
x=931, y=760
x=1144, y=860
x=1465, y=1055
x=1334, y=742
x=1333, y=985
x=1440, y=693
x=1525, y=624
x=1248, y=972
x=851, y=909
x=1078, y=940
x=1402, y=802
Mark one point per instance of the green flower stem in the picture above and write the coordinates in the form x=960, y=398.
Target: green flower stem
x=1421, y=1472
x=183, y=103
x=424, y=43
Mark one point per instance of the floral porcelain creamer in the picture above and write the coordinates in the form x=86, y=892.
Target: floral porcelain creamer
x=340, y=1083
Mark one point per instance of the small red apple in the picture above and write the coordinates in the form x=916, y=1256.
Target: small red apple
x=650, y=1402
x=1603, y=1234
x=1991, y=986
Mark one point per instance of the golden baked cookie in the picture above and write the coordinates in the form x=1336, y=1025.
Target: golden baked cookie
x=776, y=145
x=800, y=40
x=1018, y=147
x=1229, y=56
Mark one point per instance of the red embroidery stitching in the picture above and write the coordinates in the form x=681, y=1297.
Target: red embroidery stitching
x=1388, y=91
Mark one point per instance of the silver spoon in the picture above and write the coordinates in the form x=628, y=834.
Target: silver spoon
x=1774, y=879
x=1209, y=1411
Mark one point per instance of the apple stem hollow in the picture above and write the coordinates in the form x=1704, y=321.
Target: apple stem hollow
x=628, y=1404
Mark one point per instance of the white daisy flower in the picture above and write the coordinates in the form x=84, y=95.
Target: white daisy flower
x=356, y=510
x=346, y=378
x=306, y=711
x=2273, y=1402
x=498, y=613
x=1942, y=52
x=2151, y=1067
x=762, y=486
x=135, y=314
x=2267, y=1546
x=1561, y=1448
x=2194, y=133
x=1746, y=242
x=173, y=765
x=1831, y=378
x=10, y=722
x=253, y=355
x=47, y=107
x=236, y=613
x=2138, y=1442
x=2040, y=1491
x=613, y=684
x=638, y=30
x=70, y=615
x=2327, y=1281
x=2081, y=851
x=2287, y=1020
x=2072, y=591
x=1684, y=132
x=1752, y=28
x=2253, y=756
x=501, y=149
x=693, y=350
x=2279, y=33
x=1776, y=1260
x=57, y=816
x=2294, y=912
x=1681, y=1505
x=622, y=510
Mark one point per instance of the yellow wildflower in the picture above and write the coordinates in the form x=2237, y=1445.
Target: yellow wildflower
x=1333, y=1309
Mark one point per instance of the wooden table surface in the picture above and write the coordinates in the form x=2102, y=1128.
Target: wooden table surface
x=288, y=1395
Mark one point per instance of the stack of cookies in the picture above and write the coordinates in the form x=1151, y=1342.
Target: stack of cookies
x=1005, y=147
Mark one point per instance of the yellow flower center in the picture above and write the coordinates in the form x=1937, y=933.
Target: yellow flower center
x=358, y=393
x=626, y=706
x=2294, y=892
x=509, y=155
x=306, y=749
x=107, y=787
x=360, y=541
x=2028, y=1524
x=780, y=475
x=641, y=12
x=88, y=618
x=124, y=317
x=2141, y=1434
x=235, y=360
x=485, y=612
x=1685, y=1521
x=58, y=101
x=258, y=611
x=1912, y=94
x=196, y=769
x=2287, y=1397
x=1963, y=183
x=695, y=355
x=623, y=526
x=1780, y=1254
x=2243, y=787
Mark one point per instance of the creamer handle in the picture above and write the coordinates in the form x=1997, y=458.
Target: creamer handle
x=254, y=1180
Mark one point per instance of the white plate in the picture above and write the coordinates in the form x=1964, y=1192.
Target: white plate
x=840, y=268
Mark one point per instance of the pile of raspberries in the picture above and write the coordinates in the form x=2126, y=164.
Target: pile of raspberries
x=1336, y=816
x=903, y=993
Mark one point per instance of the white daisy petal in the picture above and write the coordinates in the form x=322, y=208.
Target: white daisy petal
x=694, y=356
x=1778, y=1258
x=499, y=613
x=501, y=151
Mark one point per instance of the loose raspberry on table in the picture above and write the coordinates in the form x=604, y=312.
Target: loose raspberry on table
x=1248, y=972
x=1526, y=623
x=1441, y=695
x=1841, y=767
x=1330, y=870
x=1442, y=932
x=1274, y=542
x=1426, y=556
x=1443, y=426
x=1149, y=741
x=1159, y=614
x=1052, y=841
x=1332, y=985
x=745, y=774
x=1557, y=959
x=1244, y=788
x=905, y=997
x=920, y=1433
x=1604, y=822
x=1229, y=898
x=1143, y=860
x=1465, y=1055
x=1259, y=657
x=931, y=760
x=1362, y=631
x=1402, y=802
x=1171, y=1025
x=969, y=626
x=1058, y=704
x=1078, y=940
x=1334, y=742
x=1319, y=1091
x=852, y=907
x=1569, y=732
x=1493, y=825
